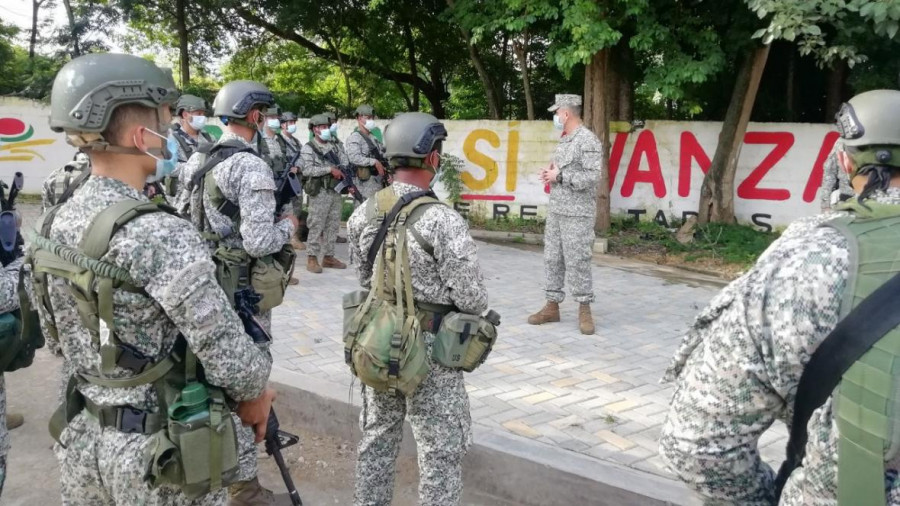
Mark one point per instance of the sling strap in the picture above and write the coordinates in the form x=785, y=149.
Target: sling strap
x=389, y=218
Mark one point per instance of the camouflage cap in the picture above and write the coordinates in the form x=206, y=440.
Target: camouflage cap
x=318, y=120
x=565, y=101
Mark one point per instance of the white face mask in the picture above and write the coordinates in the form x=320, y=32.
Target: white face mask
x=557, y=122
x=370, y=124
x=198, y=122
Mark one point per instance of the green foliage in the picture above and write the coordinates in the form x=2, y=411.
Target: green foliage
x=451, y=168
x=733, y=244
x=346, y=209
x=511, y=224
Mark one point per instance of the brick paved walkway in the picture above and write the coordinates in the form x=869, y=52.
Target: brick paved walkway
x=596, y=395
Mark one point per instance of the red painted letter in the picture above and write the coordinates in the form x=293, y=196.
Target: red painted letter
x=645, y=145
x=783, y=142
x=818, y=170
x=690, y=149
x=615, y=156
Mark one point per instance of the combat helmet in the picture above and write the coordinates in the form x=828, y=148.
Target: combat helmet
x=236, y=99
x=89, y=88
x=410, y=137
x=869, y=125
x=318, y=120
x=190, y=103
x=364, y=110
x=288, y=116
x=274, y=110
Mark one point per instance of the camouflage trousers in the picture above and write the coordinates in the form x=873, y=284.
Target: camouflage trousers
x=568, y=249
x=439, y=415
x=4, y=433
x=368, y=187
x=324, y=221
x=102, y=466
x=246, y=437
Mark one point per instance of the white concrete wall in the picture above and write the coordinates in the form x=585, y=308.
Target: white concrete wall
x=654, y=169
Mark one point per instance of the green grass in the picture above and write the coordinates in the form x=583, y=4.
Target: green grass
x=512, y=224
x=346, y=209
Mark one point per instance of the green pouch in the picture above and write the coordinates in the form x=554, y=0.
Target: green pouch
x=385, y=332
x=232, y=270
x=313, y=186
x=351, y=303
x=194, y=442
x=270, y=275
x=463, y=341
x=162, y=462
x=363, y=173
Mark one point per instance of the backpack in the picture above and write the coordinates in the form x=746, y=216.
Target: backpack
x=858, y=363
x=193, y=450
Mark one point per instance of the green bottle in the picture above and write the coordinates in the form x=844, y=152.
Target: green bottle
x=192, y=404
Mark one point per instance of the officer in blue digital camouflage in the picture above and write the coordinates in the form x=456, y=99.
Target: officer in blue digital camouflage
x=739, y=367
x=573, y=177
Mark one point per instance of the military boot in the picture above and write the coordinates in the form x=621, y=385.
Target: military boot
x=14, y=420
x=548, y=313
x=250, y=493
x=297, y=245
x=312, y=265
x=585, y=320
x=294, y=281
x=333, y=263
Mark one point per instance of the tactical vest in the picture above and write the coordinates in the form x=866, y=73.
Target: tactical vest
x=193, y=442
x=235, y=268
x=203, y=138
x=866, y=401
x=66, y=183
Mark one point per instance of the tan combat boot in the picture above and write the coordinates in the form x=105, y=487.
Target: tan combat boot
x=250, y=493
x=333, y=263
x=312, y=265
x=293, y=281
x=585, y=320
x=297, y=245
x=548, y=313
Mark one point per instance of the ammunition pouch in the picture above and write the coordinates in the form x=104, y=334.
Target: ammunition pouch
x=363, y=173
x=314, y=185
x=463, y=341
x=269, y=275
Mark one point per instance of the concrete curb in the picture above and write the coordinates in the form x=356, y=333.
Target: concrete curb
x=507, y=466
x=601, y=244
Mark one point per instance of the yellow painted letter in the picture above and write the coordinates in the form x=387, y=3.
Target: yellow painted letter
x=480, y=159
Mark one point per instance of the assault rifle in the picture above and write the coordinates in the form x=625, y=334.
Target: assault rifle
x=346, y=184
x=11, y=241
x=288, y=188
x=245, y=302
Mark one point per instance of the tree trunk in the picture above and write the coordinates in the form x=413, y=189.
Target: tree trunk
x=76, y=46
x=413, y=64
x=521, y=49
x=596, y=117
x=625, y=72
x=837, y=78
x=35, y=8
x=436, y=93
x=181, y=29
x=490, y=88
x=717, y=192
x=790, y=98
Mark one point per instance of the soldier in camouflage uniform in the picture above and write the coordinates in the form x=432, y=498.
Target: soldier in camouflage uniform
x=247, y=181
x=191, y=112
x=569, y=232
x=100, y=465
x=271, y=134
x=439, y=408
x=61, y=179
x=317, y=164
x=365, y=151
x=291, y=148
x=833, y=178
x=9, y=301
x=738, y=368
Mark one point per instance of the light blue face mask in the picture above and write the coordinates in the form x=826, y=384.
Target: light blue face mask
x=292, y=129
x=333, y=129
x=165, y=165
x=558, y=122
x=325, y=134
x=273, y=123
x=198, y=122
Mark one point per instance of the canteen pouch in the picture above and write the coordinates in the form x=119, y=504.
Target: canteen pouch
x=232, y=270
x=181, y=456
x=270, y=275
x=363, y=173
x=386, y=335
x=463, y=341
x=313, y=186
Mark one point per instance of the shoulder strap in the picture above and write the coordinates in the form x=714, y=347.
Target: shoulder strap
x=95, y=241
x=180, y=138
x=219, y=153
x=325, y=156
x=867, y=323
x=389, y=218
x=373, y=149
x=74, y=185
x=414, y=216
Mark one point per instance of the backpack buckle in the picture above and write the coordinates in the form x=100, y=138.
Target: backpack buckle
x=130, y=420
x=131, y=359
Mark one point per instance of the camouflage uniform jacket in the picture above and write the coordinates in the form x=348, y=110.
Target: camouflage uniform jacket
x=833, y=178
x=314, y=166
x=60, y=179
x=452, y=276
x=577, y=156
x=169, y=260
x=289, y=144
x=738, y=368
x=271, y=153
x=246, y=181
x=358, y=151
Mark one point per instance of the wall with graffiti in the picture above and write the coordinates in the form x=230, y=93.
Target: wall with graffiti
x=655, y=171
